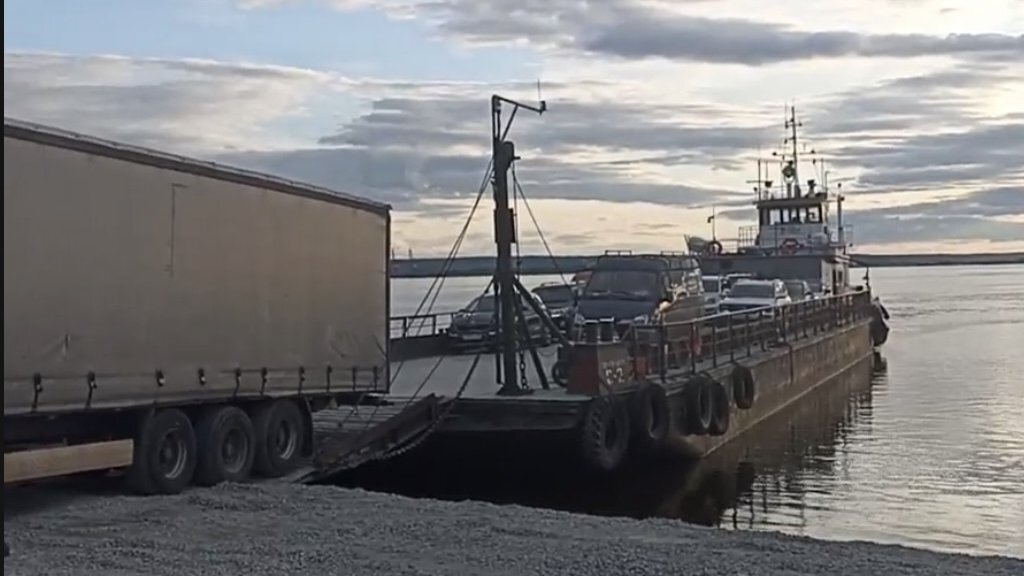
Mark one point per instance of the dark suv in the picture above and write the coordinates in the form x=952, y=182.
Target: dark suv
x=630, y=289
x=559, y=300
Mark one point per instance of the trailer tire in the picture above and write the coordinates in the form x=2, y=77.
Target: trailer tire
x=699, y=405
x=226, y=443
x=651, y=417
x=721, y=407
x=605, y=434
x=163, y=435
x=743, y=387
x=280, y=433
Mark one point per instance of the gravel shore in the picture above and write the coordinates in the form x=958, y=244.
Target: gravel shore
x=284, y=529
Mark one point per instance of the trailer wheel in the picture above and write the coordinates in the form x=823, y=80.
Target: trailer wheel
x=164, y=459
x=226, y=445
x=279, y=430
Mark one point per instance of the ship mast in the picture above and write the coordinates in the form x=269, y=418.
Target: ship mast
x=503, y=155
x=791, y=170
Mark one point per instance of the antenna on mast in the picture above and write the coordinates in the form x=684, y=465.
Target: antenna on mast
x=791, y=170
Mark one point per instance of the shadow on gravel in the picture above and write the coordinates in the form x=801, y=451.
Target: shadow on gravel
x=59, y=492
x=738, y=485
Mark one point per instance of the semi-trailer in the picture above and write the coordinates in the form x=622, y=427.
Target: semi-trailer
x=178, y=319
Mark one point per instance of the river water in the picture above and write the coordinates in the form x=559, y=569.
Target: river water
x=926, y=449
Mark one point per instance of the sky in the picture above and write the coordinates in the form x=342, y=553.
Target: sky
x=657, y=109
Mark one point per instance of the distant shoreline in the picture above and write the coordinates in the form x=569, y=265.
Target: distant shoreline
x=468, y=266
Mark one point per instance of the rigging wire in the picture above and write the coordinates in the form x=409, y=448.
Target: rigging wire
x=519, y=192
x=440, y=359
x=449, y=261
x=432, y=295
x=450, y=258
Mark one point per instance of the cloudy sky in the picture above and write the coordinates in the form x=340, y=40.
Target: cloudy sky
x=657, y=108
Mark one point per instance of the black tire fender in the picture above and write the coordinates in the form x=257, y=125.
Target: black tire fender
x=219, y=425
x=743, y=390
x=721, y=408
x=699, y=407
x=270, y=418
x=605, y=433
x=651, y=417
x=145, y=475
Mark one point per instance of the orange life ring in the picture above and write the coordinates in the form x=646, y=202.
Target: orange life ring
x=789, y=246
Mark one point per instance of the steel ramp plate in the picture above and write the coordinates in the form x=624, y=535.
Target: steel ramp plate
x=366, y=433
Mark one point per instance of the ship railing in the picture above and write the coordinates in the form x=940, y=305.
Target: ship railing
x=417, y=325
x=747, y=236
x=665, y=349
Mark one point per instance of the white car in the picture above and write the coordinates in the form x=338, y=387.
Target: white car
x=799, y=290
x=713, y=288
x=753, y=294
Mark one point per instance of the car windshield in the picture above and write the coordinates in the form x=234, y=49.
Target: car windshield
x=633, y=284
x=751, y=290
x=482, y=304
x=486, y=304
x=796, y=289
x=554, y=296
x=712, y=285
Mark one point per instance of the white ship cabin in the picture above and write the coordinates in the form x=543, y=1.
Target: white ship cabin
x=793, y=224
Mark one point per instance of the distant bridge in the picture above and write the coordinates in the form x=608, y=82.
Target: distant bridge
x=545, y=265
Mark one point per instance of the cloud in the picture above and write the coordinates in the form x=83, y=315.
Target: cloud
x=642, y=170
x=178, y=104
x=640, y=29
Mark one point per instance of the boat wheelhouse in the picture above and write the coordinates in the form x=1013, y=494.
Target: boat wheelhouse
x=795, y=237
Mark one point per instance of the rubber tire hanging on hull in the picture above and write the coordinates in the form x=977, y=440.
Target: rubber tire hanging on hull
x=879, y=331
x=721, y=408
x=699, y=407
x=652, y=418
x=605, y=433
x=743, y=387
x=145, y=475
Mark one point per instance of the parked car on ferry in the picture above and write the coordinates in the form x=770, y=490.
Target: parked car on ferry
x=749, y=294
x=799, y=290
x=559, y=300
x=713, y=288
x=476, y=326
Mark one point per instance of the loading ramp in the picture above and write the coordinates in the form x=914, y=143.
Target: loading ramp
x=348, y=437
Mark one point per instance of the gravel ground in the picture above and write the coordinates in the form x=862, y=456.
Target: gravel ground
x=284, y=529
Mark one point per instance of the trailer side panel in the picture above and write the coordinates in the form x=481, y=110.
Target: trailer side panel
x=129, y=284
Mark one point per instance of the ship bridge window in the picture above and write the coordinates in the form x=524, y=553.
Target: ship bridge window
x=777, y=216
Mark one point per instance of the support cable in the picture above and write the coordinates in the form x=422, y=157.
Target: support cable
x=536, y=225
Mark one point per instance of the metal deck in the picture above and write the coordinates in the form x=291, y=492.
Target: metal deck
x=427, y=393
x=450, y=371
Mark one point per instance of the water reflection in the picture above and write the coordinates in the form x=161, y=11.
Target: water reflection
x=740, y=486
x=928, y=453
